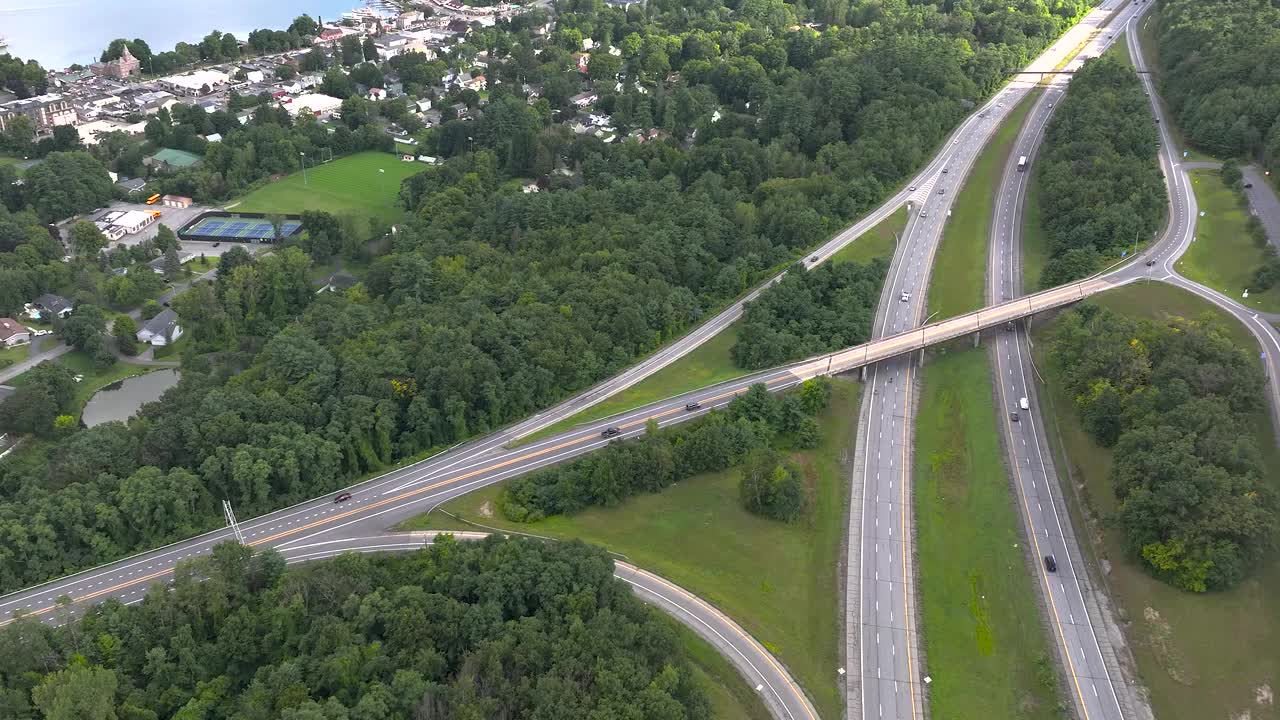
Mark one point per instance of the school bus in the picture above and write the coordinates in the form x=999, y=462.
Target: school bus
x=152, y=200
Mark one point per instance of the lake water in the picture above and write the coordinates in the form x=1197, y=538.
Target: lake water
x=120, y=400
x=58, y=33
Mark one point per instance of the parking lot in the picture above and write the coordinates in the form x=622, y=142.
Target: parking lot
x=175, y=218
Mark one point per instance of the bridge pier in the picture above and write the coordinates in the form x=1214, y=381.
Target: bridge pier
x=977, y=339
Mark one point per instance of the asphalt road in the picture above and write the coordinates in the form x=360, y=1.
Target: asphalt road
x=880, y=586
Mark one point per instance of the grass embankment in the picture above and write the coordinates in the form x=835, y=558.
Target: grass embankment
x=9, y=356
x=707, y=364
x=366, y=183
x=878, y=242
x=962, y=254
x=778, y=580
x=1223, y=255
x=710, y=363
x=1209, y=655
x=730, y=695
x=980, y=622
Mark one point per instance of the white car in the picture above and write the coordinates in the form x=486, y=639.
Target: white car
x=911, y=187
x=906, y=296
x=924, y=213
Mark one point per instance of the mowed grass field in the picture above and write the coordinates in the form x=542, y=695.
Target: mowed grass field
x=980, y=622
x=878, y=242
x=351, y=184
x=957, y=285
x=778, y=580
x=1209, y=655
x=1223, y=255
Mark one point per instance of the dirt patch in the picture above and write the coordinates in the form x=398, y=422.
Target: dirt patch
x=1159, y=636
x=486, y=509
x=1263, y=695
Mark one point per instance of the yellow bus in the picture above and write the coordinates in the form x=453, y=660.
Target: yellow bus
x=152, y=200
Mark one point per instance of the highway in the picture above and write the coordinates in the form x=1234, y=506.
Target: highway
x=881, y=618
x=1089, y=682
x=403, y=493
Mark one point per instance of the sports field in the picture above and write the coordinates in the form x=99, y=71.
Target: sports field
x=366, y=183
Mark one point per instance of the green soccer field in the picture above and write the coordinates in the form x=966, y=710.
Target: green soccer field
x=352, y=184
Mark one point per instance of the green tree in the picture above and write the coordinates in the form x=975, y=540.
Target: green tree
x=86, y=239
x=125, y=331
x=78, y=693
x=771, y=486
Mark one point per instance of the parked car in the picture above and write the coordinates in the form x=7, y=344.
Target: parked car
x=342, y=497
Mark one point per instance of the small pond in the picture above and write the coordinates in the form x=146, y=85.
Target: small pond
x=120, y=400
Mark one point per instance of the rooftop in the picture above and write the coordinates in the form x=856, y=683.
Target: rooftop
x=176, y=158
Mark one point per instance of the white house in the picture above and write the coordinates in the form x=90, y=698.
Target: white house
x=162, y=329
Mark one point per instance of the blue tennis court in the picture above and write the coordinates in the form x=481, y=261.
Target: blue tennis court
x=237, y=228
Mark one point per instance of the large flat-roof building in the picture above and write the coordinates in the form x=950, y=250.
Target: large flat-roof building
x=196, y=82
x=316, y=103
x=44, y=111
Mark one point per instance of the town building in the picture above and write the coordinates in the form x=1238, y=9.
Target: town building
x=196, y=82
x=317, y=104
x=161, y=330
x=122, y=67
x=176, y=201
x=44, y=111
x=134, y=221
x=13, y=333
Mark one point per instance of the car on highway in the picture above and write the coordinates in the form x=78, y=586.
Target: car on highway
x=1024, y=404
x=955, y=142
x=906, y=296
x=610, y=432
x=911, y=187
x=1008, y=327
x=1248, y=186
x=342, y=497
x=1151, y=262
x=945, y=171
x=690, y=407
x=924, y=213
x=1050, y=564
x=1014, y=416
x=1050, y=104
x=813, y=258
x=942, y=191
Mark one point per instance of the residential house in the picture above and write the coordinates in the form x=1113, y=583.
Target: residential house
x=423, y=105
x=50, y=305
x=13, y=333
x=583, y=61
x=376, y=94
x=163, y=329
x=329, y=36
x=584, y=99
x=467, y=81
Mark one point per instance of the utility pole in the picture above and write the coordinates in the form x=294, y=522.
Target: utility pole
x=304, y=167
x=230, y=515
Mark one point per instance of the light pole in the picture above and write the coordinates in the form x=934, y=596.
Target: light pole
x=304, y=167
x=471, y=146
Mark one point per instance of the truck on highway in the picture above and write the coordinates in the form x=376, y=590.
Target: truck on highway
x=1022, y=163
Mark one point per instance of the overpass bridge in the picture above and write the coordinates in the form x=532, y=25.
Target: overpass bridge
x=951, y=328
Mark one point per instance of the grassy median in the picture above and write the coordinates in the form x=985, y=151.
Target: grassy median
x=1223, y=255
x=983, y=638
x=778, y=580
x=958, y=284
x=1210, y=655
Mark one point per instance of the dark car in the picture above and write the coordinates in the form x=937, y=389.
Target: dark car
x=1050, y=564
x=692, y=406
x=610, y=432
x=1248, y=186
x=217, y=244
x=1014, y=416
x=1151, y=262
x=813, y=259
x=342, y=497
x=1008, y=327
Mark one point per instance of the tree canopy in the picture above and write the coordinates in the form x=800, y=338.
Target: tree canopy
x=1175, y=401
x=488, y=629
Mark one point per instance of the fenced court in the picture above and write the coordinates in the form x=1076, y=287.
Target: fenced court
x=237, y=227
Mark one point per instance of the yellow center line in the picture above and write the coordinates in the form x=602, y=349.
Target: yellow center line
x=906, y=537
x=403, y=496
x=1044, y=575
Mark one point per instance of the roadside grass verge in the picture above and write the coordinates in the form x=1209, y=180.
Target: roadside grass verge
x=9, y=356
x=731, y=698
x=1223, y=255
x=778, y=580
x=707, y=364
x=878, y=242
x=1200, y=655
x=1035, y=242
x=980, y=621
x=1151, y=55
x=962, y=254
x=366, y=183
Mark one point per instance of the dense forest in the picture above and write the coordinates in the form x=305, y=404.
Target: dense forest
x=1101, y=189
x=1175, y=402
x=488, y=303
x=490, y=629
x=1220, y=74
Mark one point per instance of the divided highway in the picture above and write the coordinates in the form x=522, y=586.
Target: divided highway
x=886, y=677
